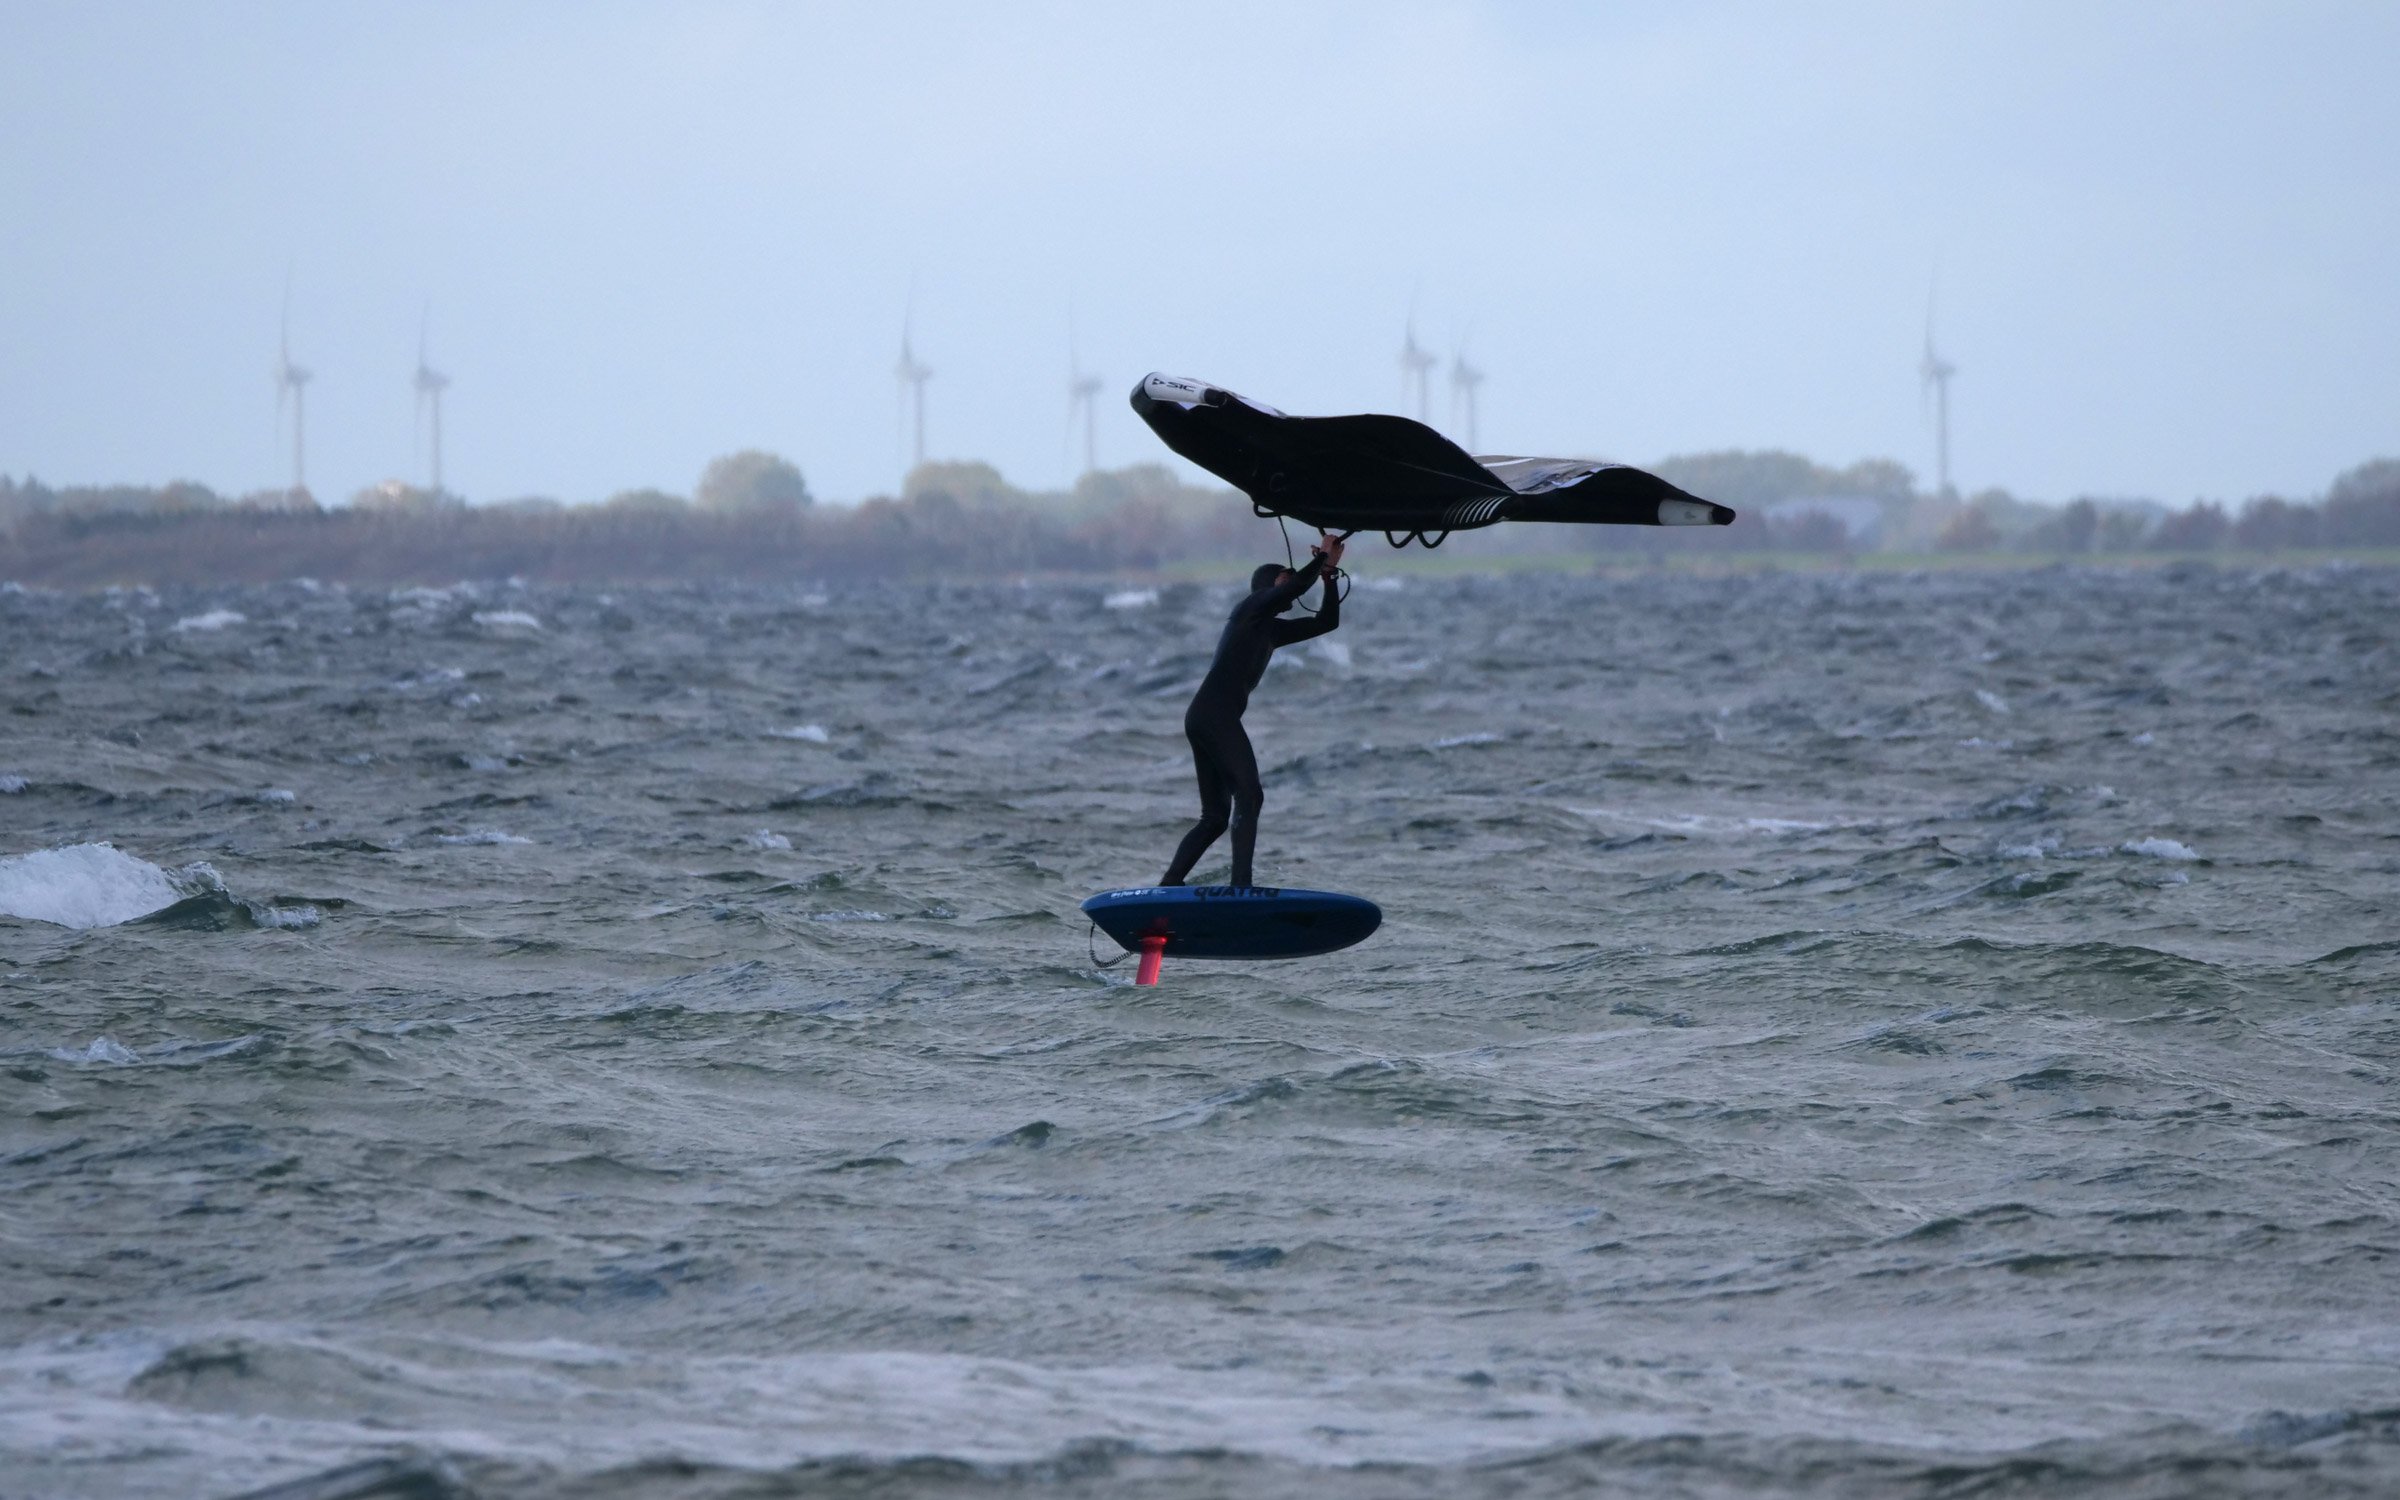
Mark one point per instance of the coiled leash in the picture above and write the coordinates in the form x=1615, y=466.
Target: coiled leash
x=1091, y=942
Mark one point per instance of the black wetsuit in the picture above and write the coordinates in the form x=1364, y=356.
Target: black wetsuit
x=1229, y=791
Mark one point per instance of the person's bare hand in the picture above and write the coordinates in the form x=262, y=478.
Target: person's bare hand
x=1331, y=550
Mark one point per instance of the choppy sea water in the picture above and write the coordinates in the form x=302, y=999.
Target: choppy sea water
x=1847, y=1035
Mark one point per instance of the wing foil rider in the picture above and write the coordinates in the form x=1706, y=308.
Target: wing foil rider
x=1230, y=794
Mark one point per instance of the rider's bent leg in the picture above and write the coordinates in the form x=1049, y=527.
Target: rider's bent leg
x=1216, y=806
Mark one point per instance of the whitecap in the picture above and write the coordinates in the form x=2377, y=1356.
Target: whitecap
x=1783, y=825
x=215, y=619
x=766, y=838
x=278, y=794
x=879, y=1413
x=1337, y=652
x=93, y=885
x=1702, y=823
x=1479, y=737
x=482, y=836
x=428, y=598
x=813, y=734
x=506, y=619
x=12, y=785
x=2158, y=848
x=1991, y=700
x=1131, y=599
x=850, y=916
x=103, y=1049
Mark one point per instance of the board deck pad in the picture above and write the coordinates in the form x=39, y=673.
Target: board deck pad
x=1234, y=921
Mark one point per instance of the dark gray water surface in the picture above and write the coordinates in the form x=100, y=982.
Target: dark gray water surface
x=1831, y=1035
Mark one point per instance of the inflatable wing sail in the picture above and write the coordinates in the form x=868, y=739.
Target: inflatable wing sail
x=1389, y=474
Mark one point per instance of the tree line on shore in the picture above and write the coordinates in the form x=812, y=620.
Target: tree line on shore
x=751, y=516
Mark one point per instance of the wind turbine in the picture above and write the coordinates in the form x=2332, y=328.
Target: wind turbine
x=291, y=381
x=430, y=385
x=1464, y=378
x=1083, y=390
x=1417, y=364
x=1933, y=374
x=913, y=374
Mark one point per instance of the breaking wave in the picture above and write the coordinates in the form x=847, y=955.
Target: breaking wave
x=99, y=885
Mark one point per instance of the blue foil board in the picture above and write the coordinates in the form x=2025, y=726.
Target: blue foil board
x=1234, y=921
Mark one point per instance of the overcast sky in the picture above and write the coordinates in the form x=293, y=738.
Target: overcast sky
x=2163, y=234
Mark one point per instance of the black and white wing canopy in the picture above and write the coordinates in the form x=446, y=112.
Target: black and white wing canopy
x=1389, y=474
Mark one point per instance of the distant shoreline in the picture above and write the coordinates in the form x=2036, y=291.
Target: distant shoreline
x=755, y=523
x=1703, y=564
x=214, y=553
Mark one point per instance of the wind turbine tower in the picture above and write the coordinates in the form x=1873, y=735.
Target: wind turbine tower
x=913, y=373
x=430, y=385
x=1416, y=364
x=1934, y=373
x=291, y=382
x=1464, y=378
x=1084, y=390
